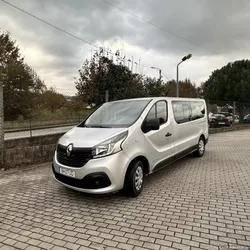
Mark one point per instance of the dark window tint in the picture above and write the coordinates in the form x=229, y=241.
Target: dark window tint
x=152, y=113
x=159, y=110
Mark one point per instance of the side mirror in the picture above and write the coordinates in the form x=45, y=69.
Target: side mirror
x=150, y=125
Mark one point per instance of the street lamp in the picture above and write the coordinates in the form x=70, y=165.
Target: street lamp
x=159, y=72
x=177, y=78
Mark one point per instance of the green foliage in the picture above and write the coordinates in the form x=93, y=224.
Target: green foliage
x=51, y=100
x=154, y=87
x=230, y=83
x=186, y=89
x=21, y=84
x=101, y=74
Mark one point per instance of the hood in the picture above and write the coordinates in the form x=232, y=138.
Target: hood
x=88, y=137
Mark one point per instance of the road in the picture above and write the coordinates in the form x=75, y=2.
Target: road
x=36, y=132
x=195, y=203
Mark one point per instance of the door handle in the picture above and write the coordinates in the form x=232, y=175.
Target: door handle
x=168, y=134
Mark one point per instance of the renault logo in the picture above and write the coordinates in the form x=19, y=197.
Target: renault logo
x=69, y=150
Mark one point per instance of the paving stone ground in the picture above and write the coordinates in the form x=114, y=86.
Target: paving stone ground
x=196, y=203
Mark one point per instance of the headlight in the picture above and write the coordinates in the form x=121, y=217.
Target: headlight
x=111, y=146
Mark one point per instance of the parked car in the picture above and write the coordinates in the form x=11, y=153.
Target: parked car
x=229, y=115
x=219, y=120
x=123, y=141
x=247, y=119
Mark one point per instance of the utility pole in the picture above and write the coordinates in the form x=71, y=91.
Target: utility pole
x=106, y=96
x=136, y=67
x=177, y=76
x=132, y=64
x=1, y=122
x=160, y=75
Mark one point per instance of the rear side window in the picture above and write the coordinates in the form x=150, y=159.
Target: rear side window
x=160, y=111
x=198, y=110
x=188, y=111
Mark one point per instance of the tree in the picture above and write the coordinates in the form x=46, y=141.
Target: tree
x=52, y=100
x=20, y=83
x=230, y=83
x=200, y=91
x=154, y=87
x=77, y=103
x=101, y=74
x=186, y=89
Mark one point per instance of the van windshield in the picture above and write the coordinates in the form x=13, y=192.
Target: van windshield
x=116, y=114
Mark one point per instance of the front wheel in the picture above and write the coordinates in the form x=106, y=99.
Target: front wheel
x=200, y=147
x=134, y=179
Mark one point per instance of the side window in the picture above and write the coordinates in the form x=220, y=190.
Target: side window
x=160, y=111
x=182, y=111
x=178, y=112
x=198, y=110
x=186, y=111
x=151, y=114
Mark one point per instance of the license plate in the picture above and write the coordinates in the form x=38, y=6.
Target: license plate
x=67, y=172
x=221, y=122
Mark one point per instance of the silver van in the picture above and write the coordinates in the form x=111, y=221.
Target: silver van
x=123, y=141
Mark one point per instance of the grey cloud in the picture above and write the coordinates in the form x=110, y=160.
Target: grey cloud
x=218, y=26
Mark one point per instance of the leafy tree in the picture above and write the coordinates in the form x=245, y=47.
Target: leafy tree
x=21, y=83
x=101, y=74
x=200, y=91
x=186, y=89
x=52, y=100
x=230, y=83
x=154, y=87
x=77, y=103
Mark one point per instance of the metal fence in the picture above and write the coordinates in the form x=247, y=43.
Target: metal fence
x=60, y=120
x=22, y=128
x=237, y=110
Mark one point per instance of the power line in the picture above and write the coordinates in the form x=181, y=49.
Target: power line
x=50, y=24
x=64, y=31
x=165, y=76
x=159, y=27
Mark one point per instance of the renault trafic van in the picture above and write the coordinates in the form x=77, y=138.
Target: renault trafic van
x=123, y=141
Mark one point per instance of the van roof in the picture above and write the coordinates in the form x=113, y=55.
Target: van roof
x=160, y=98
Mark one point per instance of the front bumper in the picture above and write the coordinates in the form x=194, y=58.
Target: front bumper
x=97, y=176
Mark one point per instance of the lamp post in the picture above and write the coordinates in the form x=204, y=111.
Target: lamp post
x=159, y=72
x=177, y=77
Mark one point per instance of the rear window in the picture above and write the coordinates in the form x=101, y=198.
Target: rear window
x=185, y=111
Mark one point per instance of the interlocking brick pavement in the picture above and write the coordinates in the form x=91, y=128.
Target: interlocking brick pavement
x=196, y=203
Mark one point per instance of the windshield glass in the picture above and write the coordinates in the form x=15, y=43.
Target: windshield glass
x=116, y=114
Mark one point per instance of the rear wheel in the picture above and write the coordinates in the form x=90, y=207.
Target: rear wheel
x=134, y=179
x=200, y=148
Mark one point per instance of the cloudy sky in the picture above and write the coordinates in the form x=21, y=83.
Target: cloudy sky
x=214, y=31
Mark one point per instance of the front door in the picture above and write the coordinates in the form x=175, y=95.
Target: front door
x=159, y=143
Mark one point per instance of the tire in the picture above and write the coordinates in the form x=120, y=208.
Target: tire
x=200, y=148
x=134, y=179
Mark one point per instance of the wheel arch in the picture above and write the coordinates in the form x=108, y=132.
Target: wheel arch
x=138, y=158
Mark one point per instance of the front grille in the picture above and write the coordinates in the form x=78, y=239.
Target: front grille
x=78, y=157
